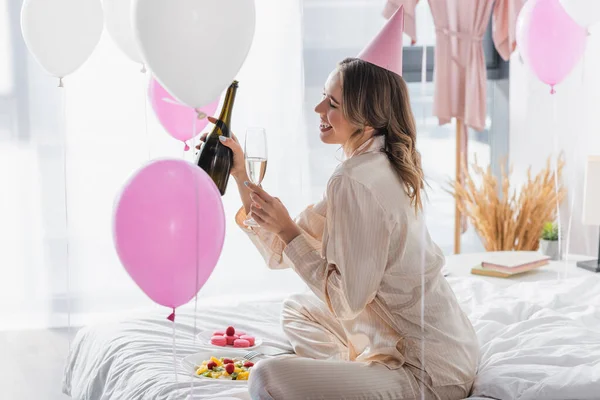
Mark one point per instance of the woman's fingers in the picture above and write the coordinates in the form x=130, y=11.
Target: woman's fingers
x=260, y=203
x=258, y=212
x=266, y=197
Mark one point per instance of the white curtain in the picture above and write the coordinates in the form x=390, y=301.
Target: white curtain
x=111, y=132
x=106, y=141
x=537, y=119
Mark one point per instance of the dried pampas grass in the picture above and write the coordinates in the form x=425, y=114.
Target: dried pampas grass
x=503, y=219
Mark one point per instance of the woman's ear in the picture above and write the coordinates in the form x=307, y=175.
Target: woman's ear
x=369, y=131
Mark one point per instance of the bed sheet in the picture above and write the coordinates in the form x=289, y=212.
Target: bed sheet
x=538, y=340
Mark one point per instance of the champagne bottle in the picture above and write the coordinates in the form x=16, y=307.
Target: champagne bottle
x=215, y=158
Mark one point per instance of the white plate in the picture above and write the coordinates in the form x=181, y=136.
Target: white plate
x=205, y=336
x=189, y=363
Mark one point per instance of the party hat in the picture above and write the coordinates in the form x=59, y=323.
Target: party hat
x=385, y=50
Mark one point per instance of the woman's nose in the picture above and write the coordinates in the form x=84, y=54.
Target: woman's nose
x=319, y=107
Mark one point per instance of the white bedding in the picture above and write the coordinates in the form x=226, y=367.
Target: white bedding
x=538, y=341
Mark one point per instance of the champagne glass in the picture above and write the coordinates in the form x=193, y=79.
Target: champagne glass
x=255, y=154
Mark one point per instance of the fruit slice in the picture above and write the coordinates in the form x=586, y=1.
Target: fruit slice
x=230, y=368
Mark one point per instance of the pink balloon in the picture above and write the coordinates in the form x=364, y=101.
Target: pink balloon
x=549, y=40
x=178, y=119
x=168, y=230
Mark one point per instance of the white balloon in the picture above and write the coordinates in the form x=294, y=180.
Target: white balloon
x=194, y=48
x=61, y=34
x=119, y=24
x=585, y=12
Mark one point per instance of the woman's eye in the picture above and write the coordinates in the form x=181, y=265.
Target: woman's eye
x=332, y=105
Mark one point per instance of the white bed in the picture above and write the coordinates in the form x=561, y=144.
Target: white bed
x=538, y=340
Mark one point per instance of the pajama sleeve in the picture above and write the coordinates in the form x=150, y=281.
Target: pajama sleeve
x=347, y=273
x=271, y=247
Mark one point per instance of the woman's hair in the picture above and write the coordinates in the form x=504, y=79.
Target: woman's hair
x=377, y=98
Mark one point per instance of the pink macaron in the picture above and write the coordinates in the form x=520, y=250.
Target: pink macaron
x=230, y=339
x=240, y=333
x=241, y=343
x=249, y=338
x=218, y=340
x=219, y=333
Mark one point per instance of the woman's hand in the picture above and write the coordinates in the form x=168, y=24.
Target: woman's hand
x=270, y=213
x=238, y=169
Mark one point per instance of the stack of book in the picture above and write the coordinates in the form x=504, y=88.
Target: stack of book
x=504, y=264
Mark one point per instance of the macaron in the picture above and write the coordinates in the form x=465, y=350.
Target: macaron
x=230, y=339
x=241, y=343
x=249, y=338
x=218, y=340
x=219, y=333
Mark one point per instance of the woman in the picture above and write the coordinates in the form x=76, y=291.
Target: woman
x=381, y=321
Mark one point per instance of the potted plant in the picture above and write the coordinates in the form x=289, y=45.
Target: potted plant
x=549, y=241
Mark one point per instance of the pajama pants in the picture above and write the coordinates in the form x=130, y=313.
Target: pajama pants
x=320, y=370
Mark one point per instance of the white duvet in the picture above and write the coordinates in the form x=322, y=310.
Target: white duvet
x=538, y=341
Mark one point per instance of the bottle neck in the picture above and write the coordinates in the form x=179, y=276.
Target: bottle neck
x=224, y=122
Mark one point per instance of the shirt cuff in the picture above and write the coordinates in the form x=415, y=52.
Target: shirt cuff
x=240, y=217
x=298, y=248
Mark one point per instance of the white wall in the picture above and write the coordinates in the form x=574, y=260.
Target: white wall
x=573, y=115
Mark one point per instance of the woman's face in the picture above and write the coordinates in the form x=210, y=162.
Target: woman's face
x=335, y=129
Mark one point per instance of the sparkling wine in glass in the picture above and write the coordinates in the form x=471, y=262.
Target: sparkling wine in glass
x=255, y=153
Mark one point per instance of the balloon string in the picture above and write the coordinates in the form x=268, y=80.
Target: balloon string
x=558, y=223
x=146, y=115
x=175, y=354
x=196, y=188
x=66, y=194
x=424, y=81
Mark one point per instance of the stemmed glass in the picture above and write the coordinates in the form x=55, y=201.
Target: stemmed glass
x=255, y=153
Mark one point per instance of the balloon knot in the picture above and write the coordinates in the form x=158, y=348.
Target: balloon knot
x=186, y=148
x=60, y=82
x=552, y=91
x=201, y=114
x=171, y=317
x=143, y=70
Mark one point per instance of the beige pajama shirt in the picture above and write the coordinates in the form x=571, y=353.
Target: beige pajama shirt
x=381, y=321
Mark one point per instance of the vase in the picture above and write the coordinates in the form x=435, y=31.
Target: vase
x=550, y=248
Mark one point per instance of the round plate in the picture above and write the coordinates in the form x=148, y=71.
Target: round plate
x=205, y=336
x=189, y=363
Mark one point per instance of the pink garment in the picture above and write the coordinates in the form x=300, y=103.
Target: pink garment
x=460, y=74
x=504, y=23
x=410, y=25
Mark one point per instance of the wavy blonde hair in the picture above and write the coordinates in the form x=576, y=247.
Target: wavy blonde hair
x=374, y=97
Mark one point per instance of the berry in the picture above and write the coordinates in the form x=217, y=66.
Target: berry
x=230, y=331
x=211, y=365
x=248, y=364
x=230, y=368
x=227, y=361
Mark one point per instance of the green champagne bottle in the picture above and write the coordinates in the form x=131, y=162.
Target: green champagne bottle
x=215, y=158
